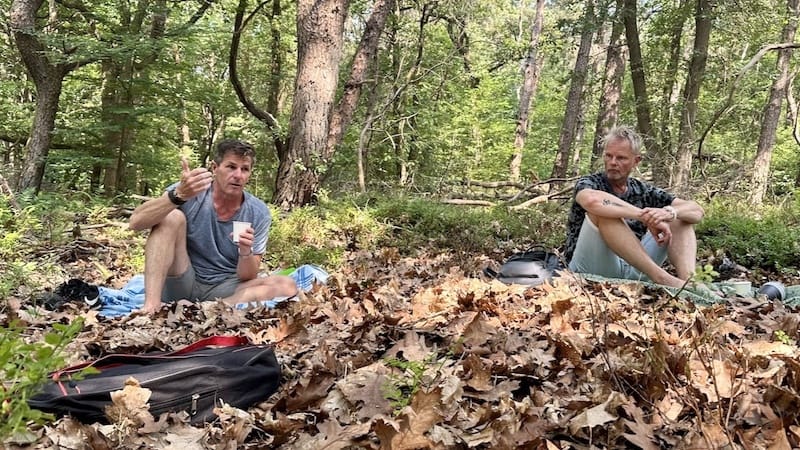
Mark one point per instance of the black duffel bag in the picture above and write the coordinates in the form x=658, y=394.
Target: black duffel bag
x=192, y=379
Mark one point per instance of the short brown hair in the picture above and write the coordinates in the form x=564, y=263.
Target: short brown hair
x=235, y=146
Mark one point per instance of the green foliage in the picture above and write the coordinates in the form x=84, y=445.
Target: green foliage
x=418, y=222
x=23, y=369
x=401, y=389
x=15, y=274
x=705, y=274
x=782, y=337
x=769, y=239
x=321, y=234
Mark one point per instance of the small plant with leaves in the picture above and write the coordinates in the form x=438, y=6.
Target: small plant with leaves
x=705, y=274
x=24, y=368
x=402, y=388
x=782, y=337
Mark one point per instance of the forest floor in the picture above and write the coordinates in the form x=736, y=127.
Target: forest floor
x=400, y=352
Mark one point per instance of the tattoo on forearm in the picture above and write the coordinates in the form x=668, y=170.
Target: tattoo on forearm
x=607, y=202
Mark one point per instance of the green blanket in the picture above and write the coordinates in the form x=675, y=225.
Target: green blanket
x=701, y=296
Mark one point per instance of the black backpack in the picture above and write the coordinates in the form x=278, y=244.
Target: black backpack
x=531, y=267
x=191, y=379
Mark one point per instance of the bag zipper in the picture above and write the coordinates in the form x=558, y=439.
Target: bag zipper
x=156, y=409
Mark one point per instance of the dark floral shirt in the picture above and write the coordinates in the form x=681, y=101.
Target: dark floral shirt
x=639, y=194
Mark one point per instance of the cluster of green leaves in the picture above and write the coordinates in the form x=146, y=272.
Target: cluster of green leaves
x=400, y=389
x=769, y=238
x=705, y=273
x=24, y=368
x=32, y=225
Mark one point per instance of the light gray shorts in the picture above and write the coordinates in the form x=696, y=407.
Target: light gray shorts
x=187, y=287
x=592, y=255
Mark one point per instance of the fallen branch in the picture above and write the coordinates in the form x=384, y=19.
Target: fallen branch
x=542, y=198
x=461, y=201
x=493, y=184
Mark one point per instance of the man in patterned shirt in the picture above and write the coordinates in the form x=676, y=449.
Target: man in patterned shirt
x=633, y=226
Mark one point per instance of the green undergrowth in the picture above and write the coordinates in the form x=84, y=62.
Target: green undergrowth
x=768, y=238
x=322, y=234
x=24, y=367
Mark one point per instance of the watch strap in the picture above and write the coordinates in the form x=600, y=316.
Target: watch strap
x=173, y=197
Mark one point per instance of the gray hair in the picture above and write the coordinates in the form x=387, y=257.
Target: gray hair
x=624, y=132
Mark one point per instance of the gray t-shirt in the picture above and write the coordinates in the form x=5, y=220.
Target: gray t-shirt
x=209, y=240
x=638, y=193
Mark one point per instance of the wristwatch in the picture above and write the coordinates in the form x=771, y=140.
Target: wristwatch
x=173, y=197
x=672, y=211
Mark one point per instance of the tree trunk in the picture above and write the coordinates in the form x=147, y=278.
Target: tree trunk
x=574, y=98
x=320, y=26
x=608, y=112
x=772, y=111
x=638, y=79
x=530, y=79
x=669, y=94
x=691, y=92
x=48, y=79
x=367, y=49
x=115, y=110
x=44, y=119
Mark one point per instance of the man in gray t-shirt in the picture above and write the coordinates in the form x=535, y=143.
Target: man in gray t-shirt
x=621, y=227
x=191, y=252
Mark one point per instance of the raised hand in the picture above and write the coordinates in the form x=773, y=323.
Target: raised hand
x=193, y=181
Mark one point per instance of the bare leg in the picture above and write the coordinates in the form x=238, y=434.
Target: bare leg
x=683, y=249
x=164, y=254
x=265, y=288
x=622, y=241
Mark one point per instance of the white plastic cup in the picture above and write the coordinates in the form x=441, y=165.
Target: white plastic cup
x=742, y=288
x=239, y=228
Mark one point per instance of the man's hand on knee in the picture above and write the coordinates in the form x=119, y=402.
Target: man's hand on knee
x=662, y=233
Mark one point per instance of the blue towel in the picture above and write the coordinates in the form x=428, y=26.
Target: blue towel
x=121, y=302
x=305, y=276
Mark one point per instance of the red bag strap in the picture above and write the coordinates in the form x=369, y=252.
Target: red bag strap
x=219, y=341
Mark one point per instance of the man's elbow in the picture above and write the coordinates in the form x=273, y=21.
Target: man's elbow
x=588, y=199
x=135, y=224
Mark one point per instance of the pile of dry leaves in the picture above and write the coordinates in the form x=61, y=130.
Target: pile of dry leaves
x=415, y=353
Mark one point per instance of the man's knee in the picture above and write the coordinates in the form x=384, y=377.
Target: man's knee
x=172, y=224
x=285, y=285
x=680, y=226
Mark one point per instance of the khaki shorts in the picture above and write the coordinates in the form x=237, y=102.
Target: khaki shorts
x=187, y=287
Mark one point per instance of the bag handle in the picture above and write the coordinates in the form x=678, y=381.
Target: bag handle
x=220, y=341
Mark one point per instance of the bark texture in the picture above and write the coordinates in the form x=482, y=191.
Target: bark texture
x=575, y=95
x=48, y=79
x=320, y=25
x=608, y=112
x=772, y=110
x=691, y=92
x=530, y=79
